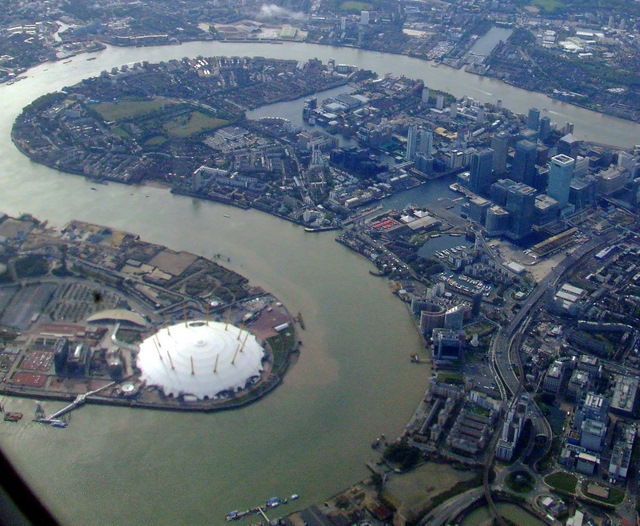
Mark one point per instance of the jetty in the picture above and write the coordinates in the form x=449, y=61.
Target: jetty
x=79, y=400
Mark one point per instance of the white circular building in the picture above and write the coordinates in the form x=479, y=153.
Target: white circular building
x=200, y=359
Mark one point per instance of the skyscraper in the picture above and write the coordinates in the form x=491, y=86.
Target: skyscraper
x=521, y=203
x=425, y=142
x=545, y=128
x=480, y=176
x=500, y=147
x=533, y=120
x=560, y=175
x=412, y=142
x=524, y=162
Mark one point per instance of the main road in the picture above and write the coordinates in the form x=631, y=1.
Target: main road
x=505, y=353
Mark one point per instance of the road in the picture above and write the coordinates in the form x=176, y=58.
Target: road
x=447, y=510
x=505, y=355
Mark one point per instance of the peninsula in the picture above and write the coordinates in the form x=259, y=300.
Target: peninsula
x=93, y=314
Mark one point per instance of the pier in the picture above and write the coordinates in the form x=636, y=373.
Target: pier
x=79, y=400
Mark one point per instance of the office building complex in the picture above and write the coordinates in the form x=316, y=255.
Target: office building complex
x=425, y=142
x=533, y=120
x=500, y=147
x=480, y=175
x=524, y=162
x=545, y=128
x=521, y=201
x=497, y=222
x=560, y=175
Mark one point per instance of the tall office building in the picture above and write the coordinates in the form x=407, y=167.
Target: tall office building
x=423, y=163
x=533, y=120
x=497, y=221
x=500, y=147
x=425, y=142
x=524, y=162
x=545, y=128
x=560, y=175
x=481, y=174
x=521, y=205
x=412, y=142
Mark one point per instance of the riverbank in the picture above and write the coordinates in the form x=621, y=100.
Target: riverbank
x=147, y=44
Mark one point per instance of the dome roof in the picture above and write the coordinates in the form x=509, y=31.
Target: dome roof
x=199, y=359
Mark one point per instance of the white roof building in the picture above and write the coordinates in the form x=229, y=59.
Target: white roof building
x=200, y=359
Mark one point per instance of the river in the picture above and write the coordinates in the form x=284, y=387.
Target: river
x=353, y=380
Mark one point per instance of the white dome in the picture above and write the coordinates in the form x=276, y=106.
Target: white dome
x=198, y=359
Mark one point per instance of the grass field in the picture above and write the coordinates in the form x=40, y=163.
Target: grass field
x=155, y=141
x=520, y=481
x=281, y=346
x=192, y=123
x=562, y=481
x=547, y=5
x=116, y=130
x=616, y=495
x=353, y=5
x=127, y=109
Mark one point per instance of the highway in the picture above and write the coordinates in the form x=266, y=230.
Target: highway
x=442, y=514
x=504, y=355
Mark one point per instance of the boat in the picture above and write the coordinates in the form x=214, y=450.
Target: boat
x=91, y=58
x=237, y=515
x=227, y=216
x=66, y=61
x=58, y=423
x=273, y=502
x=94, y=189
x=435, y=235
x=294, y=496
x=12, y=417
